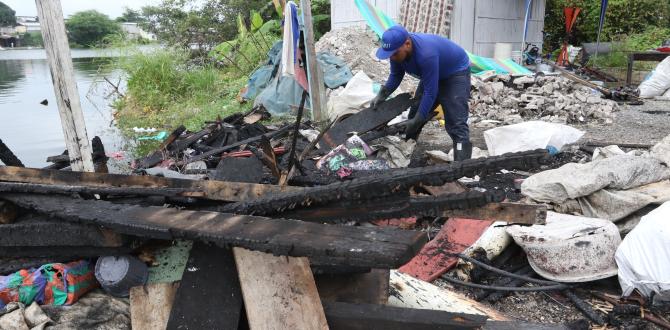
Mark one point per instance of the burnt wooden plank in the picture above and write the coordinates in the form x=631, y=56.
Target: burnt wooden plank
x=212, y=189
x=8, y=157
x=367, y=120
x=8, y=212
x=364, y=288
x=232, y=146
x=372, y=317
x=39, y=231
x=209, y=296
x=530, y=214
x=336, y=245
x=157, y=156
x=99, y=156
x=233, y=169
x=71, y=252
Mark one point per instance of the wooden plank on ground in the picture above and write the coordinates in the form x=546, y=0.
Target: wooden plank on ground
x=216, y=190
x=531, y=214
x=367, y=120
x=279, y=292
x=409, y=292
x=338, y=245
x=436, y=257
x=348, y=316
x=364, y=288
x=209, y=295
x=150, y=305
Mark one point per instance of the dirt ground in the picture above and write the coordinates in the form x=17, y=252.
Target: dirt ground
x=646, y=124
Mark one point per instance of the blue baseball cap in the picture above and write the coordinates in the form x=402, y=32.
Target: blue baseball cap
x=392, y=40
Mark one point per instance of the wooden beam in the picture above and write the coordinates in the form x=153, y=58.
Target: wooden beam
x=279, y=292
x=530, y=214
x=409, y=292
x=350, y=316
x=209, y=295
x=65, y=86
x=317, y=91
x=209, y=189
x=8, y=157
x=364, y=288
x=150, y=305
x=337, y=245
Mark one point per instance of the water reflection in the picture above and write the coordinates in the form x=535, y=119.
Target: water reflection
x=33, y=131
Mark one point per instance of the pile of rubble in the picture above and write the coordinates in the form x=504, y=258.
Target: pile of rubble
x=358, y=47
x=510, y=100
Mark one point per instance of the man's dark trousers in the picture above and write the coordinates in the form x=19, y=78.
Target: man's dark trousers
x=453, y=95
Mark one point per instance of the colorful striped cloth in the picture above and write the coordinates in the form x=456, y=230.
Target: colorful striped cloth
x=376, y=19
x=480, y=64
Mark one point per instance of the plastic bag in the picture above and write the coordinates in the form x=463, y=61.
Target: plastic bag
x=658, y=83
x=352, y=99
x=530, y=135
x=644, y=258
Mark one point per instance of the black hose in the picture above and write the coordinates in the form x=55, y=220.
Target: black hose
x=507, y=288
x=502, y=272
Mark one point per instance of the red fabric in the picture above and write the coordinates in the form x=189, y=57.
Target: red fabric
x=454, y=237
x=570, y=20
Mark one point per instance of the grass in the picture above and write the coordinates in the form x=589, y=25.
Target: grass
x=165, y=90
x=650, y=39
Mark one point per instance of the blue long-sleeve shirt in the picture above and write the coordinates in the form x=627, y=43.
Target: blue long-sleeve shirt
x=433, y=58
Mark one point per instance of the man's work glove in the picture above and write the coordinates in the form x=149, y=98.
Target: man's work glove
x=380, y=98
x=413, y=126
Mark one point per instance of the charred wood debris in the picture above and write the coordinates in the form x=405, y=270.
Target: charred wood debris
x=240, y=183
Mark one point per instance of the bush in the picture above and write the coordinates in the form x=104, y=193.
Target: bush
x=164, y=89
x=90, y=28
x=649, y=40
x=624, y=17
x=32, y=39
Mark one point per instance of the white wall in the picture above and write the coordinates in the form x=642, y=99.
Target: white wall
x=476, y=24
x=345, y=13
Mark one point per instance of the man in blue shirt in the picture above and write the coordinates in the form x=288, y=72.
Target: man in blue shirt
x=444, y=70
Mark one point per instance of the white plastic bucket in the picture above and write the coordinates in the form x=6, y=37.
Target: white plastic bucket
x=516, y=56
x=502, y=50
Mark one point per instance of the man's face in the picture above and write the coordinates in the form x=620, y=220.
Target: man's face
x=403, y=52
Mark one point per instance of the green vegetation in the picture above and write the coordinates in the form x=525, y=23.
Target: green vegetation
x=176, y=86
x=164, y=90
x=90, y=28
x=131, y=16
x=7, y=15
x=624, y=18
x=650, y=39
x=32, y=39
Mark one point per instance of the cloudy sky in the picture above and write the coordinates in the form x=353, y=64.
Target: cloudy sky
x=112, y=8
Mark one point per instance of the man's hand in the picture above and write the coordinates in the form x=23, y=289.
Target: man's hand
x=380, y=98
x=413, y=126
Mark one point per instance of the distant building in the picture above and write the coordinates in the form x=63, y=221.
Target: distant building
x=134, y=31
x=26, y=24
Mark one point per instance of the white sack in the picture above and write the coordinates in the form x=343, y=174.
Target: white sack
x=530, y=135
x=658, y=83
x=616, y=205
x=644, y=255
x=662, y=150
x=353, y=98
x=574, y=180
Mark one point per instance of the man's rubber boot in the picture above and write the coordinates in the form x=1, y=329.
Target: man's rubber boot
x=462, y=151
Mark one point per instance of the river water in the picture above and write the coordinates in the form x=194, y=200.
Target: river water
x=33, y=131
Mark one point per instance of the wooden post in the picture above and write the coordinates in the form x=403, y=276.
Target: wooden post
x=317, y=90
x=62, y=75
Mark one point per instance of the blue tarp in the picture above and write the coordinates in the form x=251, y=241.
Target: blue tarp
x=282, y=95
